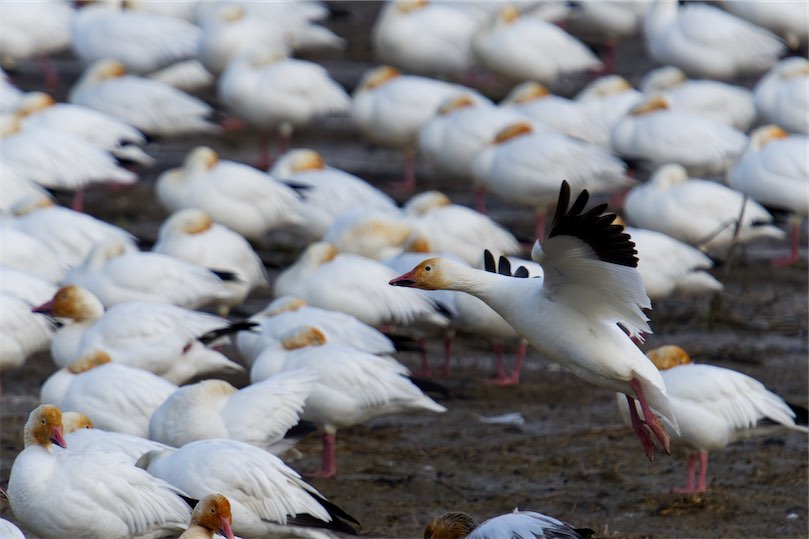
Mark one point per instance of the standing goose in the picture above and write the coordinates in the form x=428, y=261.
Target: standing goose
x=584, y=327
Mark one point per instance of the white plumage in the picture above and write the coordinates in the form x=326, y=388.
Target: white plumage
x=782, y=95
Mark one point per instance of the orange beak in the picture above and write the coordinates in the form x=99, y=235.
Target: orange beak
x=45, y=308
x=406, y=279
x=226, y=529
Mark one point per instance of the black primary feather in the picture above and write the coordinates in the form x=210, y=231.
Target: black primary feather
x=340, y=519
x=488, y=261
x=504, y=266
x=225, y=275
x=595, y=228
x=301, y=430
x=801, y=414
x=235, y=327
x=521, y=273
x=428, y=386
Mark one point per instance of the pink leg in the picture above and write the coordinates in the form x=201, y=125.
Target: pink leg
x=703, y=471
x=264, y=155
x=514, y=378
x=449, y=342
x=329, y=457
x=233, y=123
x=651, y=419
x=426, y=370
x=480, y=200
x=50, y=72
x=408, y=182
x=689, y=488
x=501, y=365
x=640, y=430
x=78, y=200
x=795, y=247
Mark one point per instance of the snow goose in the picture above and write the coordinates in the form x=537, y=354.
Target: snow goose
x=455, y=229
x=526, y=164
x=389, y=109
x=9, y=530
x=188, y=76
x=211, y=515
x=433, y=39
x=116, y=274
x=82, y=436
x=298, y=23
x=30, y=288
x=23, y=332
x=568, y=319
x=719, y=101
x=774, y=171
x=698, y=212
x=782, y=95
x=117, y=397
x=267, y=497
x=28, y=254
x=534, y=101
x=164, y=339
x=787, y=19
x=259, y=414
x=329, y=192
x=14, y=185
x=352, y=284
x=104, y=131
x=61, y=495
x=286, y=313
x=55, y=387
x=705, y=41
x=520, y=48
x=352, y=386
x=191, y=235
x=657, y=134
x=525, y=524
x=58, y=159
x=370, y=233
x=10, y=95
x=142, y=42
x=233, y=194
x=609, y=97
x=148, y=105
x=69, y=234
x=714, y=407
x=274, y=93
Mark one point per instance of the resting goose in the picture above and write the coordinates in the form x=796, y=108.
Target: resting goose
x=522, y=524
x=211, y=514
x=565, y=316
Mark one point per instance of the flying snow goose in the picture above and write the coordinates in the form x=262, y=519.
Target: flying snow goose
x=259, y=414
x=191, y=235
x=775, y=172
x=267, y=497
x=534, y=101
x=706, y=42
x=117, y=274
x=525, y=164
x=70, y=235
x=432, y=39
x=233, y=194
x=23, y=332
x=526, y=524
x=719, y=101
x=27, y=253
x=324, y=278
x=95, y=495
x=782, y=95
x=287, y=312
x=142, y=42
x=528, y=48
x=211, y=515
x=658, y=134
x=714, y=407
x=329, y=192
x=389, y=109
x=274, y=93
x=150, y=106
x=164, y=339
x=568, y=319
x=698, y=212
x=352, y=386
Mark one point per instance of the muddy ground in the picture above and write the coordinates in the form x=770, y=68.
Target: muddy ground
x=572, y=457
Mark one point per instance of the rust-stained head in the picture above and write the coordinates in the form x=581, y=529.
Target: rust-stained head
x=666, y=357
x=459, y=102
x=527, y=92
x=90, y=361
x=450, y=525
x=302, y=337
x=213, y=513
x=377, y=77
x=513, y=131
x=73, y=421
x=654, y=103
x=44, y=427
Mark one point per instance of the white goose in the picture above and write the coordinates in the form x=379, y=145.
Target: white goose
x=94, y=495
x=714, y=407
x=212, y=514
x=15, y=185
x=352, y=284
x=266, y=496
x=719, y=101
x=10, y=95
x=117, y=274
x=259, y=414
x=520, y=48
x=774, y=171
x=352, y=386
x=26, y=253
x=23, y=332
x=30, y=288
x=610, y=98
x=328, y=192
x=786, y=19
x=524, y=524
x=9, y=530
x=782, y=95
x=370, y=233
x=698, y=212
x=148, y=105
x=658, y=134
x=233, y=194
x=565, y=316
x=705, y=41
x=191, y=235
x=164, y=339
x=82, y=436
x=287, y=312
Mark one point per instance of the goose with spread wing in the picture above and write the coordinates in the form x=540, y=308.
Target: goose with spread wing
x=584, y=327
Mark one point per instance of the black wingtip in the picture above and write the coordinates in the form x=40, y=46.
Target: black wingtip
x=801, y=414
x=225, y=275
x=235, y=327
x=340, y=520
x=488, y=261
x=504, y=266
x=521, y=273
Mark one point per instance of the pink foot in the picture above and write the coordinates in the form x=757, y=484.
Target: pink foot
x=512, y=379
x=329, y=468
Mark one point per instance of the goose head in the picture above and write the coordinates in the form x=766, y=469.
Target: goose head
x=513, y=131
x=669, y=175
x=450, y=525
x=73, y=421
x=34, y=102
x=90, y=361
x=74, y=302
x=31, y=203
x=603, y=87
x=187, y=222
x=434, y=274
x=213, y=513
x=526, y=92
x=377, y=77
x=653, y=103
x=456, y=103
x=100, y=71
x=764, y=135
x=662, y=78
x=302, y=337
x=201, y=159
x=297, y=161
x=44, y=427
x=666, y=357
x=425, y=202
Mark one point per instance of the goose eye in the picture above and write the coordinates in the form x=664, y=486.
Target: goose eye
x=427, y=268
x=44, y=422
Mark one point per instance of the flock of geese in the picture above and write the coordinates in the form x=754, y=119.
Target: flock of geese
x=134, y=426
